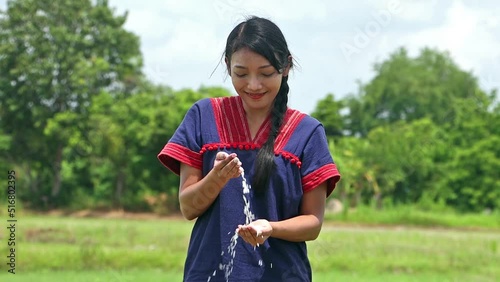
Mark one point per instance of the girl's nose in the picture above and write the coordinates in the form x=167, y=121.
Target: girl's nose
x=254, y=84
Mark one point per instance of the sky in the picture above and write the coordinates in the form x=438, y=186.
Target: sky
x=336, y=43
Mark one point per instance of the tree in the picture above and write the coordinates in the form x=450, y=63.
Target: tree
x=356, y=176
x=113, y=164
x=404, y=157
x=328, y=112
x=56, y=55
x=470, y=181
x=406, y=88
x=430, y=135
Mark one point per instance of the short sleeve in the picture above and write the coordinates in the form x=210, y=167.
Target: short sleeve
x=317, y=163
x=184, y=146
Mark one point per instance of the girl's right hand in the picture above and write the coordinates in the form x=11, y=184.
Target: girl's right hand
x=227, y=166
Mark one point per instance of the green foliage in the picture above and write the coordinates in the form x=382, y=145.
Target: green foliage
x=472, y=182
x=407, y=88
x=328, y=112
x=55, y=56
x=402, y=156
x=78, y=120
x=421, y=131
x=122, y=139
x=356, y=177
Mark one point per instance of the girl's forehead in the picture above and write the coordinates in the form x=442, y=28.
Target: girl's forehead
x=246, y=56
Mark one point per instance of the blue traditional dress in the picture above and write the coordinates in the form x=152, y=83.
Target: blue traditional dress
x=303, y=161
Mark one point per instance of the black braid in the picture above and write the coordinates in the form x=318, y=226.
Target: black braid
x=264, y=165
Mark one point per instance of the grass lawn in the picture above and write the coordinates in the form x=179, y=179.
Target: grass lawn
x=160, y=275
x=99, y=249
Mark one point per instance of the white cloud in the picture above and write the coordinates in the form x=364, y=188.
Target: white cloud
x=292, y=10
x=191, y=41
x=149, y=24
x=463, y=34
x=417, y=11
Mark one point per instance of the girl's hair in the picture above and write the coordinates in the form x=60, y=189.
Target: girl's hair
x=264, y=37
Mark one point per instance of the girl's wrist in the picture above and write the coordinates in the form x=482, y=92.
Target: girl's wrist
x=214, y=179
x=273, y=225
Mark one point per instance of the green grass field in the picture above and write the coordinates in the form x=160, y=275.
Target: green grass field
x=53, y=248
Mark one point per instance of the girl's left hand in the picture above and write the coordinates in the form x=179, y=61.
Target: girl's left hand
x=256, y=232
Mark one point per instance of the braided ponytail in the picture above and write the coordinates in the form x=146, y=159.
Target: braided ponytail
x=264, y=164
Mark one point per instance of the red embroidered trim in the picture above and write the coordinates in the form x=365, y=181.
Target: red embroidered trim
x=231, y=123
x=234, y=132
x=236, y=145
x=248, y=146
x=327, y=173
x=172, y=154
x=290, y=157
x=290, y=123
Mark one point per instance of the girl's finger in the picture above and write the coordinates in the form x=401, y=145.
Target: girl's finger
x=221, y=156
x=223, y=162
x=230, y=166
x=251, y=238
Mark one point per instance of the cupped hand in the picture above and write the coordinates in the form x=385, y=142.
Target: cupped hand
x=256, y=232
x=227, y=166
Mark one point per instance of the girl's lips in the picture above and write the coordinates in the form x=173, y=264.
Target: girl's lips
x=256, y=96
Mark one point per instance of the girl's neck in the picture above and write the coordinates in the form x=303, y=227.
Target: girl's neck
x=255, y=120
x=256, y=116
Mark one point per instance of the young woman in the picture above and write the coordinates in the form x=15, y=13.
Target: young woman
x=253, y=172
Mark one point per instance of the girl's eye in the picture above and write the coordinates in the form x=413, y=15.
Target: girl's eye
x=268, y=74
x=239, y=75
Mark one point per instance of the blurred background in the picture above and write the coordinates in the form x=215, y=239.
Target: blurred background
x=90, y=91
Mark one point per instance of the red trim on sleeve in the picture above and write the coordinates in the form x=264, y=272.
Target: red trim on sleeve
x=173, y=154
x=327, y=173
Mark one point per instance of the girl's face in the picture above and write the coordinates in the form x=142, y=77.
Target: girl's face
x=255, y=80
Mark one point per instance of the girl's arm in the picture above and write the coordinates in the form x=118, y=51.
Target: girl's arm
x=197, y=193
x=304, y=227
